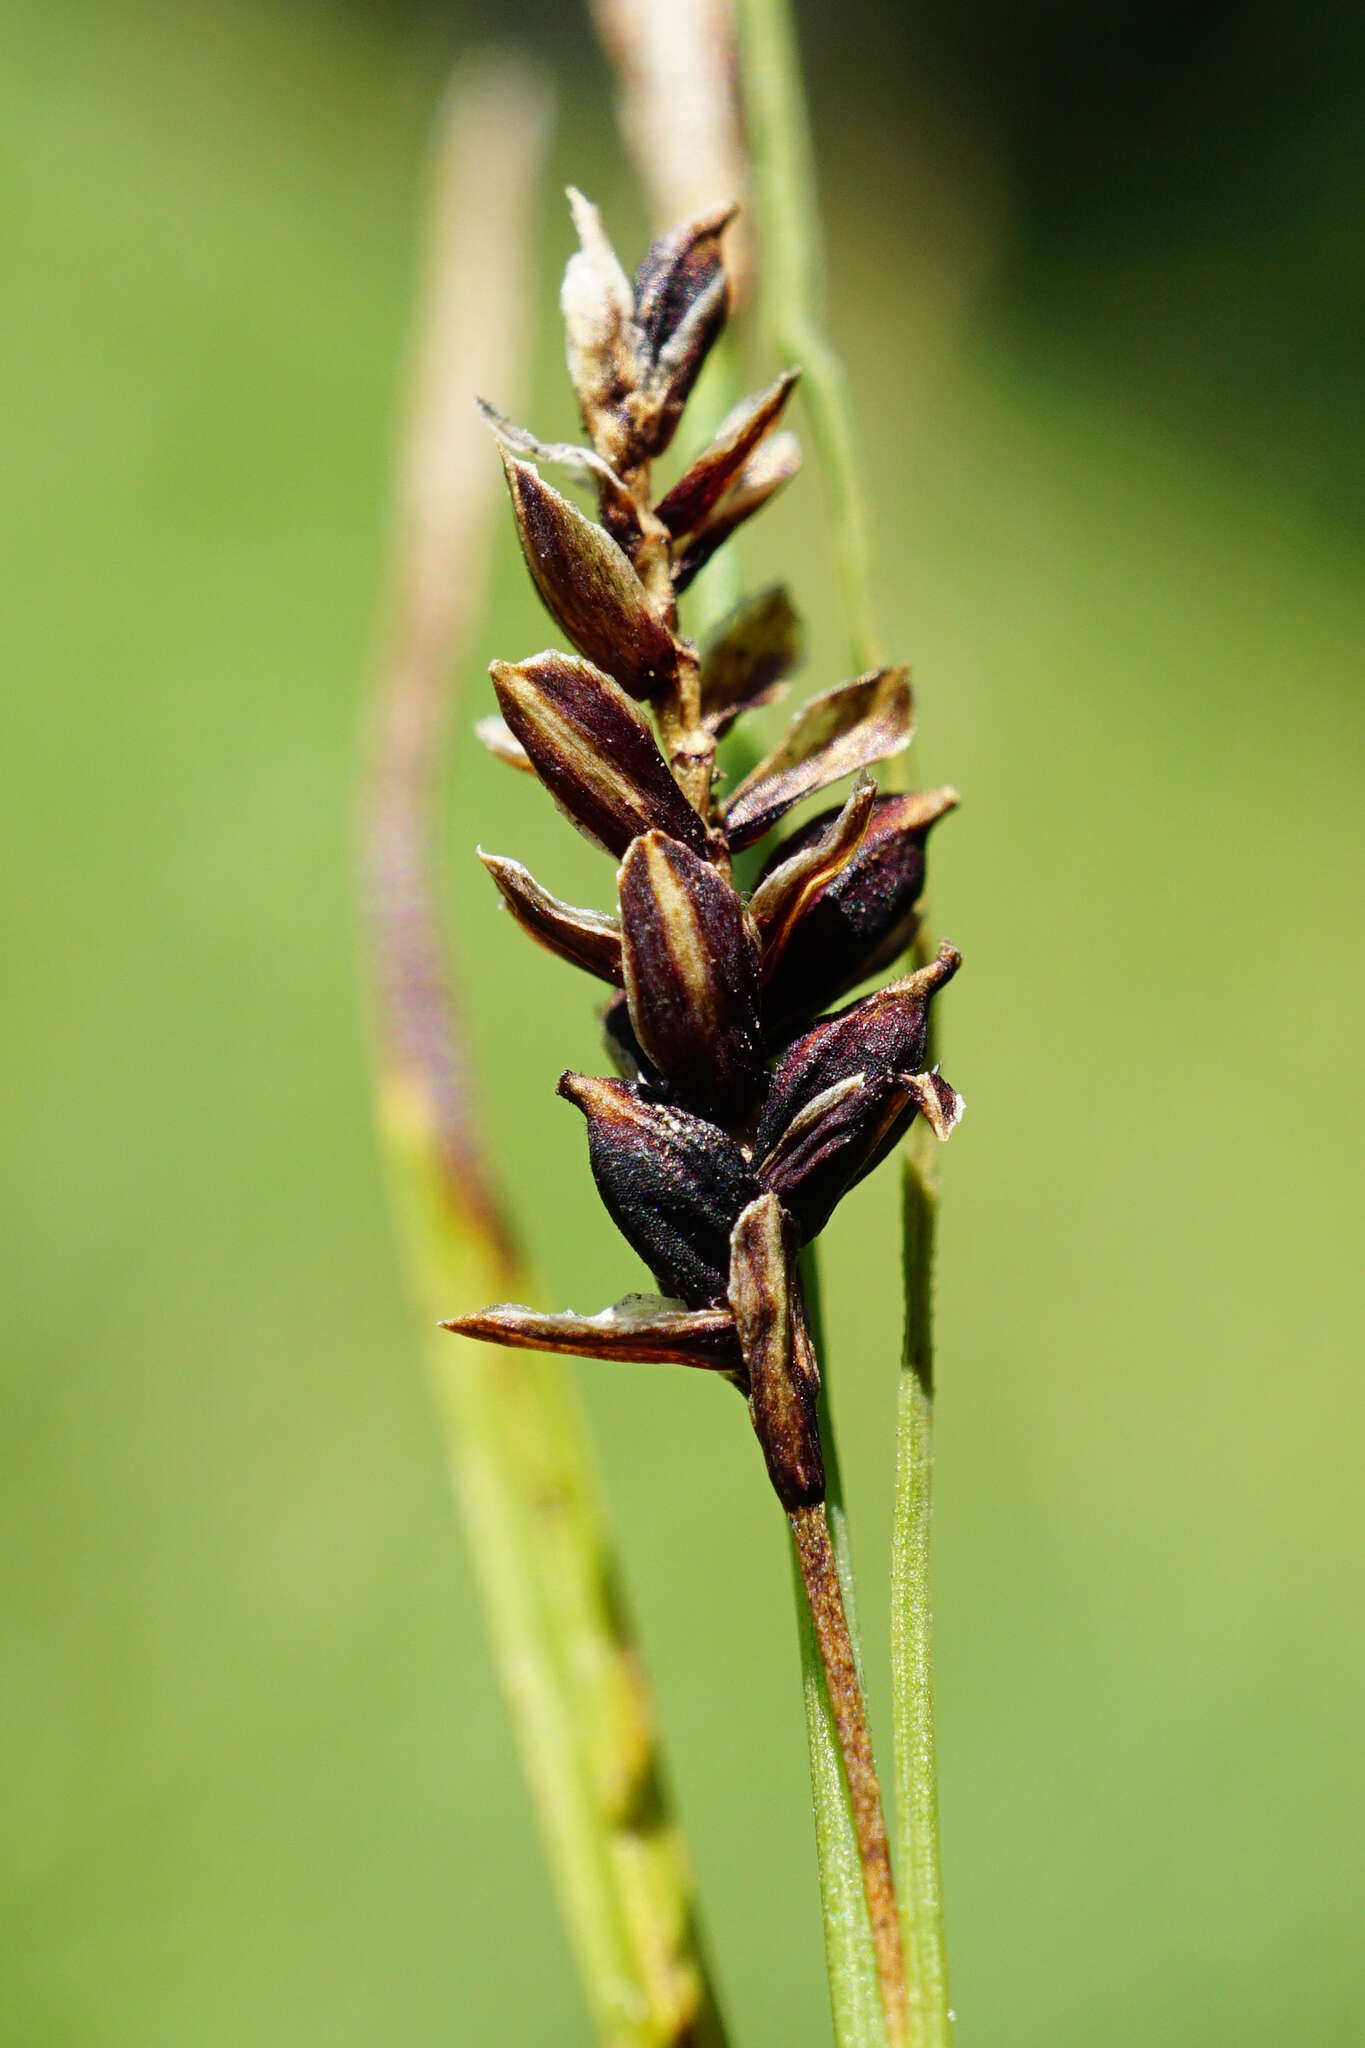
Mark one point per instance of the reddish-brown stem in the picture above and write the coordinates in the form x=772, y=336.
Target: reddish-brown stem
x=820, y=1576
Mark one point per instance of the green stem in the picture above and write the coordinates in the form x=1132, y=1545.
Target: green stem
x=789, y=242
x=912, y=1659
x=850, y=1950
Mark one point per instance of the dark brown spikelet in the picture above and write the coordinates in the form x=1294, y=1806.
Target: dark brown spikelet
x=671, y=1183
x=691, y=973
x=593, y=751
x=858, y=913
x=743, y=1114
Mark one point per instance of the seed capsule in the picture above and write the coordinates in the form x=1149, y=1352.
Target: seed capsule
x=691, y=975
x=593, y=751
x=883, y=1037
x=854, y=920
x=838, y=1138
x=671, y=1183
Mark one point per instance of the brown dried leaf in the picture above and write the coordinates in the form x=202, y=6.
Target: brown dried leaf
x=783, y=1381
x=704, y=484
x=589, y=587
x=594, y=751
x=588, y=938
x=691, y=977
x=643, y=1329
x=832, y=735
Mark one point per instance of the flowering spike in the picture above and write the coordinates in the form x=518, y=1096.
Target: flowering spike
x=691, y=977
x=738, y=1122
x=593, y=751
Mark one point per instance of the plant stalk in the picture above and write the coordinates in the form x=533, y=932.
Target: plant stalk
x=843, y=1701
x=790, y=300
x=912, y=1659
x=789, y=240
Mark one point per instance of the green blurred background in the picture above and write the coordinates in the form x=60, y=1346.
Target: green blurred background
x=1098, y=275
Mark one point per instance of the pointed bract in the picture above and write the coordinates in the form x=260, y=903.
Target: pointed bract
x=701, y=487
x=833, y=735
x=643, y=1329
x=783, y=1382
x=941, y=1106
x=858, y=917
x=588, y=938
x=594, y=751
x=773, y=463
x=672, y=1184
x=604, y=346
x=792, y=884
x=682, y=299
x=589, y=587
x=691, y=976
x=582, y=462
x=744, y=664
x=831, y=1144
